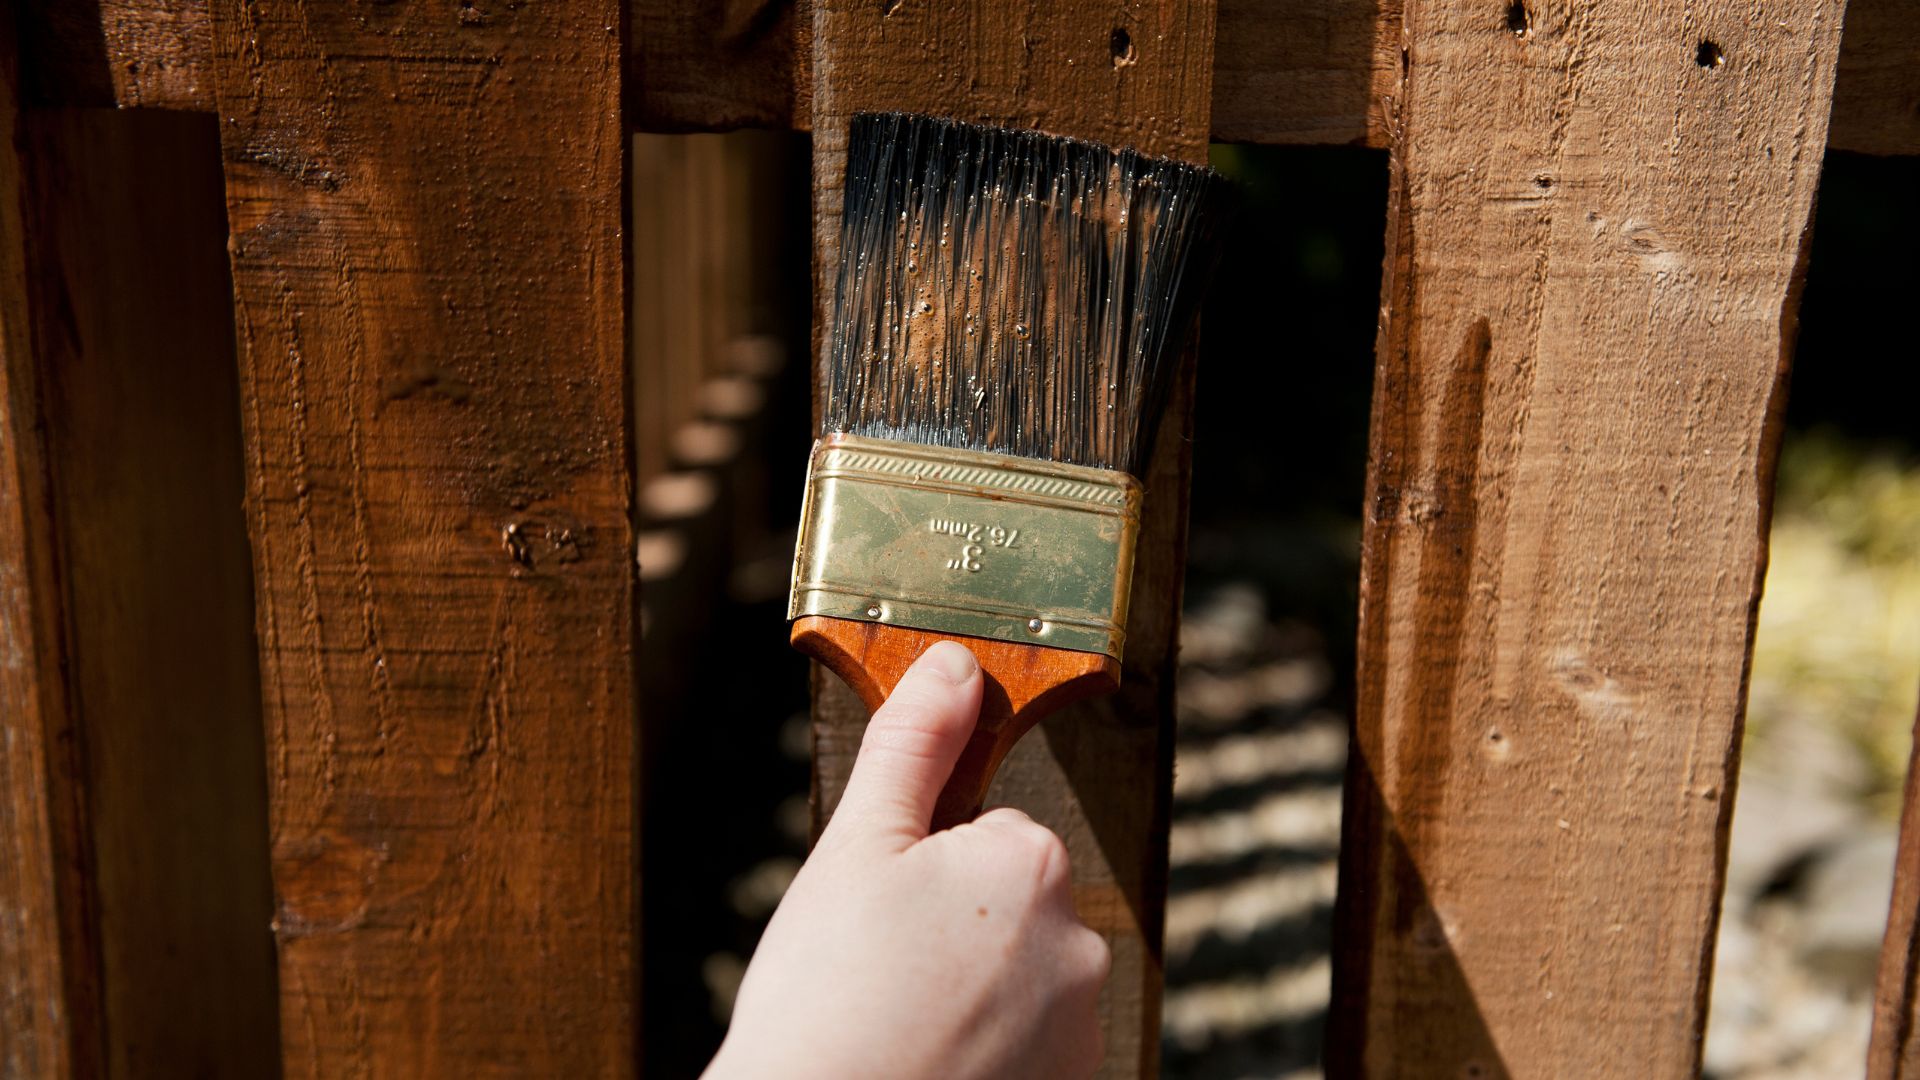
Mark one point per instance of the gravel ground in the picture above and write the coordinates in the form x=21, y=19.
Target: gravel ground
x=1809, y=875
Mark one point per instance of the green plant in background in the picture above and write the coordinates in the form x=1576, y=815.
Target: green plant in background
x=1839, y=635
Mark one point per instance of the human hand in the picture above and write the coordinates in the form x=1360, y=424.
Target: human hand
x=902, y=955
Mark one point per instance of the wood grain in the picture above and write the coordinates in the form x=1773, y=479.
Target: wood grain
x=424, y=204
x=1312, y=72
x=1594, y=252
x=1024, y=684
x=1100, y=772
x=141, y=410
x=158, y=52
x=1893, y=1053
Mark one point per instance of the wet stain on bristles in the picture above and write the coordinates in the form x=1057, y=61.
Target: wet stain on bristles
x=1010, y=291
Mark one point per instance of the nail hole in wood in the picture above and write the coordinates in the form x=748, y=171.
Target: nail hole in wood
x=1708, y=55
x=1519, y=19
x=1121, y=44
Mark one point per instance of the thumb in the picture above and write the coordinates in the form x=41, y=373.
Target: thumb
x=910, y=746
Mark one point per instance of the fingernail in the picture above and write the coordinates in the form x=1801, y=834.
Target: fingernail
x=952, y=660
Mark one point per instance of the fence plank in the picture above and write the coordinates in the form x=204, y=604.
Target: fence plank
x=48, y=1003
x=656, y=345
x=1893, y=1053
x=429, y=278
x=1313, y=72
x=1876, y=94
x=1100, y=773
x=141, y=414
x=1595, y=240
x=134, y=879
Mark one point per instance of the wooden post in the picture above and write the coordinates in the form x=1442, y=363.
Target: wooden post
x=1894, y=1053
x=430, y=282
x=1134, y=74
x=652, y=339
x=1594, y=249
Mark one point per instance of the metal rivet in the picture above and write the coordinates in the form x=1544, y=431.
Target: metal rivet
x=1036, y=625
x=873, y=611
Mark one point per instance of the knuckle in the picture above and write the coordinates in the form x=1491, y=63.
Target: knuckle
x=1099, y=957
x=1032, y=854
x=1048, y=854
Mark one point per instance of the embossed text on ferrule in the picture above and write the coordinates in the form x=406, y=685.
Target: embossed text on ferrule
x=974, y=541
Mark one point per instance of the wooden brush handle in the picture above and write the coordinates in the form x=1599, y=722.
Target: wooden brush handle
x=1024, y=683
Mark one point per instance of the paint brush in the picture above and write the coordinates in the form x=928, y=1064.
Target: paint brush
x=1009, y=311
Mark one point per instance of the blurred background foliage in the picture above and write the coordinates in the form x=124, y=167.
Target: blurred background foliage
x=1839, y=635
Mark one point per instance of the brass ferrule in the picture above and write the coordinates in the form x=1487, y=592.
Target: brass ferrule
x=962, y=542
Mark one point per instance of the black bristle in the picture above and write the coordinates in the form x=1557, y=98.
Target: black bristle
x=1010, y=291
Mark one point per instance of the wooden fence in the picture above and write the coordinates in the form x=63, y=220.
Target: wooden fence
x=383, y=787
